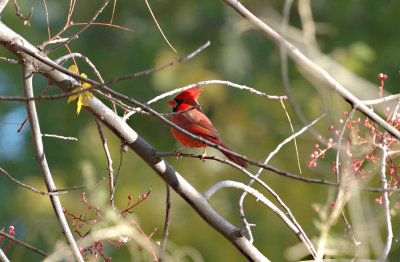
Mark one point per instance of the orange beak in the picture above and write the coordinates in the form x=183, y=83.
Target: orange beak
x=172, y=103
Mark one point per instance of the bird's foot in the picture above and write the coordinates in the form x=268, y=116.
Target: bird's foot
x=203, y=155
x=178, y=153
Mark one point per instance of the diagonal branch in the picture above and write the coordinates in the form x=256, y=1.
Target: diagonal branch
x=3, y=4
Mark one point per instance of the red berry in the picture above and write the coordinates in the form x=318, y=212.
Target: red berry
x=130, y=197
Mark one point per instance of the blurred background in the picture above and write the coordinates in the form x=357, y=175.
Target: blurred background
x=359, y=39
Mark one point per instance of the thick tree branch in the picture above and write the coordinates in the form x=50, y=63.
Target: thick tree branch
x=3, y=4
x=3, y=257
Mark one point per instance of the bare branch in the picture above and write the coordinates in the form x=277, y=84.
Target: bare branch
x=386, y=209
x=280, y=172
x=22, y=243
x=82, y=29
x=337, y=170
x=381, y=100
x=159, y=27
x=21, y=16
x=164, y=239
x=109, y=162
x=9, y=60
x=61, y=137
x=32, y=51
x=25, y=185
x=214, y=82
x=27, y=72
x=260, y=197
x=123, y=149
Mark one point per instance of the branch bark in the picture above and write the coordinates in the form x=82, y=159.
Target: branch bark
x=3, y=4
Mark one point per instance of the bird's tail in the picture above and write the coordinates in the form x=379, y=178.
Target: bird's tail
x=233, y=158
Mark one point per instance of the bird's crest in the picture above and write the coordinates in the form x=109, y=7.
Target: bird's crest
x=192, y=93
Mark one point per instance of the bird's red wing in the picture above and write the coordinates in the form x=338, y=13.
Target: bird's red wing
x=197, y=123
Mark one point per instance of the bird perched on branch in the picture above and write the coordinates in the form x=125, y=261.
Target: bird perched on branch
x=195, y=122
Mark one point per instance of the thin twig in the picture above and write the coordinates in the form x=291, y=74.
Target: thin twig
x=280, y=172
x=9, y=60
x=294, y=138
x=21, y=16
x=337, y=170
x=386, y=209
x=380, y=100
x=241, y=200
x=109, y=161
x=16, y=181
x=82, y=29
x=22, y=243
x=164, y=239
x=265, y=201
x=92, y=82
x=159, y=27
x=285, y=69
x=118, y=170
x=61, y=137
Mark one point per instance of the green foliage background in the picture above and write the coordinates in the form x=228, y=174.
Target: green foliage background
x=361, y=35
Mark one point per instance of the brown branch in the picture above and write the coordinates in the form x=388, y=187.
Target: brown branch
x=22, y=243
x=163, y=243
x=16, y=181
x=97, y=13
x=21, y=16
x=109, y=161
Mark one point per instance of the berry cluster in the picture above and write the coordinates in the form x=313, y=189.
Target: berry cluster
x=361, y=148
x=80, y=223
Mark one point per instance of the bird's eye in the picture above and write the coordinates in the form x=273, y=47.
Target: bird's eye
x=178, y=103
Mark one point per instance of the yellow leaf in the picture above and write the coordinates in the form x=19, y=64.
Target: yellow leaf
x=79, y=105
x=81, y=97
x=73, y=68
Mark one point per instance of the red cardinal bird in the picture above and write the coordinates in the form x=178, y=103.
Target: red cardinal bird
x=195, y=122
